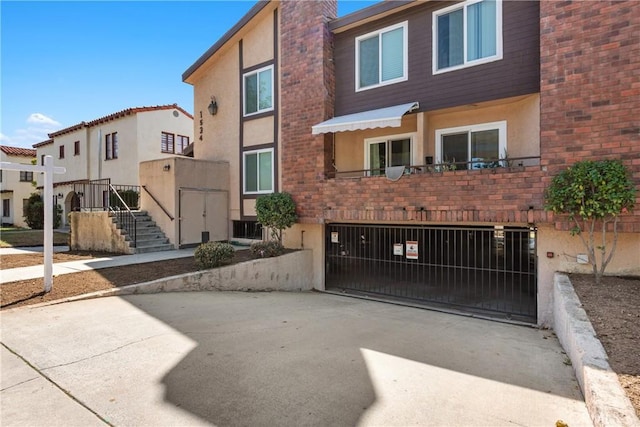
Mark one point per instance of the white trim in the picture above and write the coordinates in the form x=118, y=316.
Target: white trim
x=244, y=87
x=244, y=171
x=466, y=64
x=405, y=56
x=501, y=126
x=411, y=136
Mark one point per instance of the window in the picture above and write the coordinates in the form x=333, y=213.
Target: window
x=473, y=144
x=247, y=230
x=258, y=91
x=381, y=57
x=76, y=148
x=42, y=160
x=61, y=155
x=26, y=176
x=111, y=146
x=183, y=143
x=258, y=171
x=167, y=142
x=467, y=34
x=6, y=205
x=396, y=150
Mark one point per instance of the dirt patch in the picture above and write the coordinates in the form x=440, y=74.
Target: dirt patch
x=27, y=292
x=613, y=308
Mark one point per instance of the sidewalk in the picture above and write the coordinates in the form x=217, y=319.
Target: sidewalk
x=36, y=271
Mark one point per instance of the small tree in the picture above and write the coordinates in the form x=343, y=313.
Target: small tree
x=34, y=213
x=593, y=193
x=276, y=211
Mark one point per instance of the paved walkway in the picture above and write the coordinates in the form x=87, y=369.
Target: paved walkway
x=285, y=359
x=33, y=272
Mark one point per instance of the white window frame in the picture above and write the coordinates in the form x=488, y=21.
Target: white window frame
x=411, y=136
x=244, y=89
x=244, y=171
x=501, y=126
x=405, y=56
x=466, y=63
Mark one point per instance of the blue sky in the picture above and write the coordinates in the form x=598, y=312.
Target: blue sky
x=67, y=62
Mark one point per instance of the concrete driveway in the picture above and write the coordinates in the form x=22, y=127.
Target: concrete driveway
x=285, y=359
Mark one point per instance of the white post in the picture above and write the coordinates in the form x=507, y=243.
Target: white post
x=48, y=223
x=48, y=170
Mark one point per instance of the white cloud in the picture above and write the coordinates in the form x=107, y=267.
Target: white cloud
x=37, y=129
x=41, y=119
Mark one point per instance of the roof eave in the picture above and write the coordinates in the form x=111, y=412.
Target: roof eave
x=370, y=13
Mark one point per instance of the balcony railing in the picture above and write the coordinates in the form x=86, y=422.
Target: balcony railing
x=475, y=164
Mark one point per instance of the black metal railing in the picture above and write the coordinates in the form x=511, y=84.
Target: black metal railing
x=483, y=270
x=125, y=217
x=430, y=168
x=119, y=200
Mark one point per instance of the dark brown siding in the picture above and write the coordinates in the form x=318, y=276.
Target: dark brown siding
x=518, y=73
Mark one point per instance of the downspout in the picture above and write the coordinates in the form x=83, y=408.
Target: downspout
x=99, y=153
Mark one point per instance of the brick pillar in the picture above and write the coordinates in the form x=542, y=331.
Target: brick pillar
x=590, y=84
x=307, y=98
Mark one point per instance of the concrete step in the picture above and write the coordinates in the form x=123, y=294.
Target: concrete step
x=151, y=240
x=157, y=248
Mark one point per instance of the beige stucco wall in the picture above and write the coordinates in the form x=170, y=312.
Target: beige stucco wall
x=95, y=231
x=258, y=131
x=19, y=190
x=309, y=236
x=257, y=44
x=523, y=123
x=565, y=248
x=183, y=172
x=150, y=126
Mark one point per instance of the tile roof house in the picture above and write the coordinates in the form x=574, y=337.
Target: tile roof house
x=15, y=186
x=111, y=148
x=417, y=138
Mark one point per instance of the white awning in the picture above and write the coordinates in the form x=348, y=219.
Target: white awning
x=380, y=118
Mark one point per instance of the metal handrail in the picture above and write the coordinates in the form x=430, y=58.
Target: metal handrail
x=125, y=220
x=144, y=187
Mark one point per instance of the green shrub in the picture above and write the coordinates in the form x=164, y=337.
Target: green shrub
x=267, y=249
x=593, y=194
x=213, y=254
x=130, y=197
x=34, y=213
x=276, y=211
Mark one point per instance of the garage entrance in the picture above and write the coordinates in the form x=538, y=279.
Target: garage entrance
x=489, y=271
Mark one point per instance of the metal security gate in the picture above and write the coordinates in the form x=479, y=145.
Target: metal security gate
x=489, y=271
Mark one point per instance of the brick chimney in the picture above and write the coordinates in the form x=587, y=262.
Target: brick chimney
x=307, y=98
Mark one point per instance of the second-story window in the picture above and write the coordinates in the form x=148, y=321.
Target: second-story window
x=467, y=34
x=167, y=142
x=76, y=148
x=258, y=91
x=111, y=146
x=381, y=57
x=26, y=176
x=61, y=155
x=472, y=147
x=183, y=143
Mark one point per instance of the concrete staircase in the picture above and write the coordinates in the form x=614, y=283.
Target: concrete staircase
x=150, y=237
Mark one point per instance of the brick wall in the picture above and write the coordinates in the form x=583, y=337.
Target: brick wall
x=503, y=195
x=590, y=86
x=307, y=98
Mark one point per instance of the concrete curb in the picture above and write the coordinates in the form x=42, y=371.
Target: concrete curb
x=607, y=403
x=290, y=272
